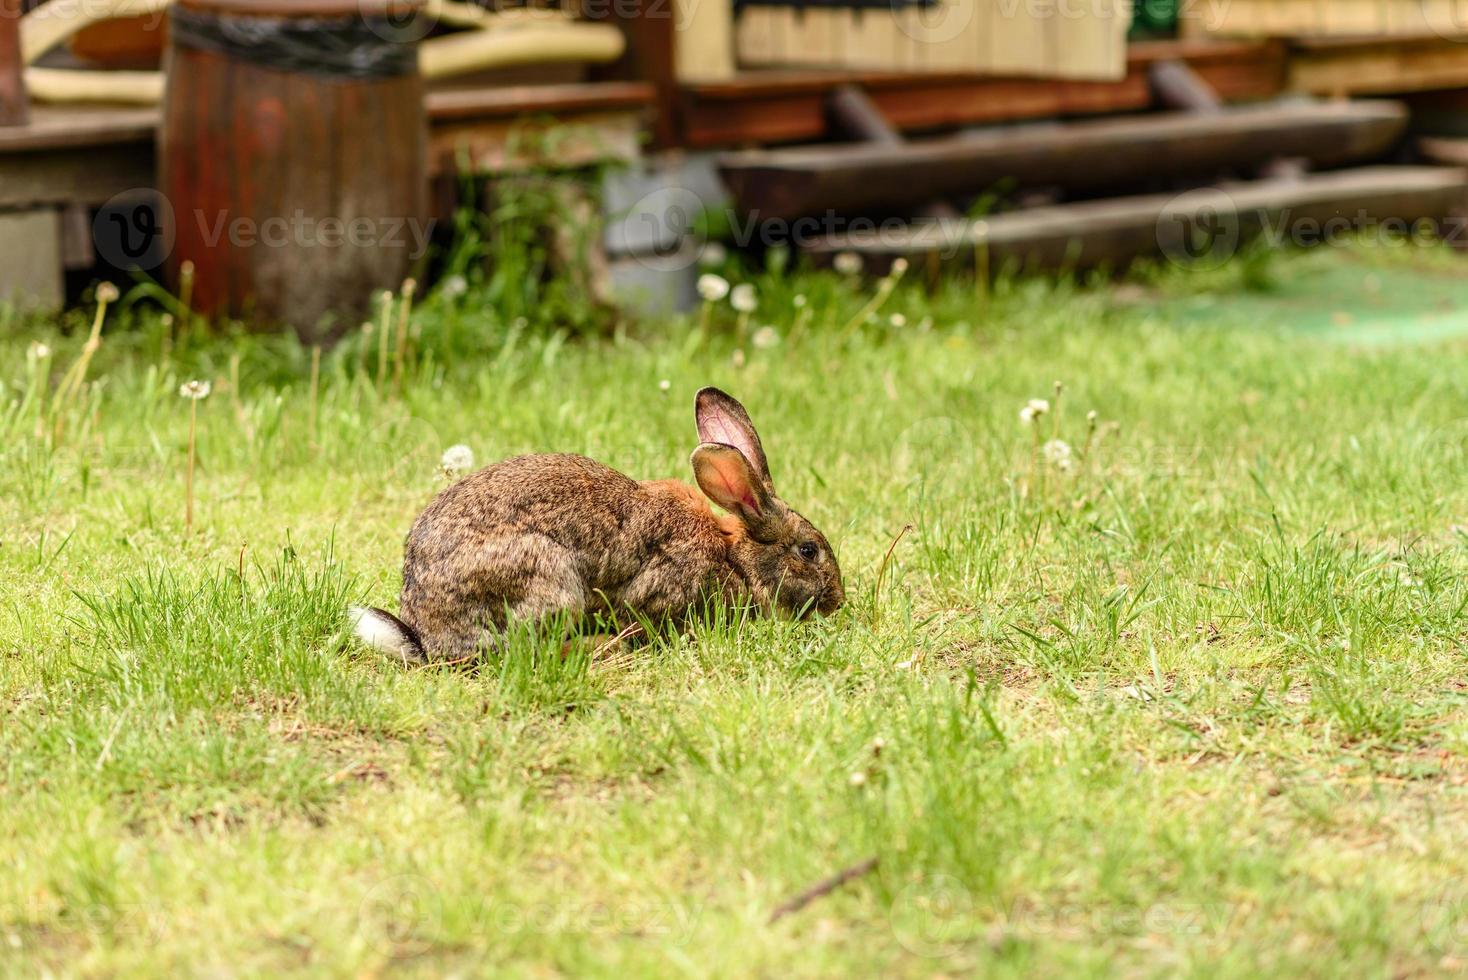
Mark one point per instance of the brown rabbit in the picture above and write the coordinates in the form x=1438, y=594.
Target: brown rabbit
x=538, y=535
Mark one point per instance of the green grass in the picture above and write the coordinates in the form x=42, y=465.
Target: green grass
x=1195, y=705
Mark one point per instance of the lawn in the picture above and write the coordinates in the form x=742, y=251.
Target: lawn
x=1190, y=699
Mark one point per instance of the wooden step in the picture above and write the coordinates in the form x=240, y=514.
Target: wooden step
x=788, y=183
x=1113, y=232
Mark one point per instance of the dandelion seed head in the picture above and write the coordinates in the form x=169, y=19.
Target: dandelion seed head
x=38, y=351
x=1033, y=409
x=766, y=337
x=743, y=298
x=665, y=385
x=899, y=267
x=195, y=390
x=739, y=357
x=847, y=263
x=107, y=293
x=712, y=288
x=857, y=779
x=454, y=286
x=457, y=459
x=897, y=320
x=1057, y=453
x=799, y=301
x=714, y=253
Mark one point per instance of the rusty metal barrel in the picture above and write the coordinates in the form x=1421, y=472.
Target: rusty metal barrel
x=293, y=153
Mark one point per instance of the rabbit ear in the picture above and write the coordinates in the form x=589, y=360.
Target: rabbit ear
x=721, y=419
x=724, y=474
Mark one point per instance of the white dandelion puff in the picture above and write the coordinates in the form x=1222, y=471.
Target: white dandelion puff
x=195, y=390
x=713, y=253
x=743, y=298
x=897, y=320
x=766, y=337
x=38, y=351
x=847, y=263
x=453, y=287
x=1057, y=453
x=1034, y=408
x=665, y=385
x=106, y=293
x=712, y=288
x=857, y=779
x=457, y=459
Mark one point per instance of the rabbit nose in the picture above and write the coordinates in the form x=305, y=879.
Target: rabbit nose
x=832, y=600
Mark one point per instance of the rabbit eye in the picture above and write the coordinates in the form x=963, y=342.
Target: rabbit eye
x=808, y=550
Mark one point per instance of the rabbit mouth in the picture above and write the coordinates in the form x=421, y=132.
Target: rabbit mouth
x=828, y=603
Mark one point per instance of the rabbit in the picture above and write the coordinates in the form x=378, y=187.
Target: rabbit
x=539, y=535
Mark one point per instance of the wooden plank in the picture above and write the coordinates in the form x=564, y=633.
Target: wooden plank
x=1377, y=65
x=651, y=34
x=1179, y=87
x=54, y=128
x=74, y=175
x=1116, y=231
x=1445, y=150
x=1042, y=38
x=704, y=47
x=30, y=259
x=852, y=111
x=497, y=145
x=519, y=100
x=14, y=106
x=1077, y=156
x=788, y=106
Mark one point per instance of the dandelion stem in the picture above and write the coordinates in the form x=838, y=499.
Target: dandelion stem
x=72, y=382
x=884, y=289
x=981, y=259
x=882, y=574
x=189, y=472
x=705, y=316
x=315, y=389
x=401, y=354
x=186, y=293
x=384, y=331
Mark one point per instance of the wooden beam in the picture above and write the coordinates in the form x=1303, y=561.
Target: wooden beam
x=790, y=106
x=1113, y=232
x=854, y=113
x=522, y=100
x=14, y=106
x=785, y=183
x=1177, y=86
x=1377, y=65
x=650, y=57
